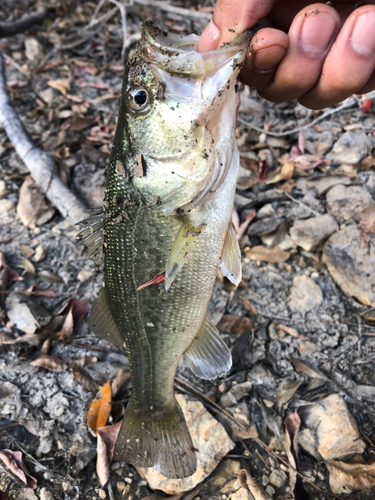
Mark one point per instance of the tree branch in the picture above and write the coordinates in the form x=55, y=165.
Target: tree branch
x=23, y=24
x=39, y=163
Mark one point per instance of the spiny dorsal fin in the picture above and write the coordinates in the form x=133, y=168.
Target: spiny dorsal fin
x=180, y=251
x=91, y=236
x=208, y=356
x=101, y=321
x=230, y=263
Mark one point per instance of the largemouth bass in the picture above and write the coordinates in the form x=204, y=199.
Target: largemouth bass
x=163, y=232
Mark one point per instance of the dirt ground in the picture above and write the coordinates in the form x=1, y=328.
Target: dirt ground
x=301, y=325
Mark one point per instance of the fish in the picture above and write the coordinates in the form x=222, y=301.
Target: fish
x=165, y=230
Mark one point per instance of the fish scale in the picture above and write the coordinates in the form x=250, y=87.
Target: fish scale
x=167, y=209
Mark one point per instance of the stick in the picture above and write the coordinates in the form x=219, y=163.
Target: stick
x=167, y=7
x=39, y=163
x=123, y=24
x=11, y=29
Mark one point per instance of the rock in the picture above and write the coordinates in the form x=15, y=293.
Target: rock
x=6, y=206
x=209, y=438
x=242, y=494
x=241, y=413
x=350, y=148
x=46, y=494
x=351, y=263
x=227, y=400
x=348, y=202
x=40, y=254
x=33, y=50
x=25, y=314
x=250, y=106
x=278, y=478
x=3, y=188
x=226, y=469
x=311, y=233
x=85, y=275
x=241, y=390
x=329, y=430
x=324, y=184
x=265, y=226
x=305, y=294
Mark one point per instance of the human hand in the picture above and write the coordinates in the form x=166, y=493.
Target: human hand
x=327, y=55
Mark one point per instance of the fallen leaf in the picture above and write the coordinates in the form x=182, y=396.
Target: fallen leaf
x=40, y=292
x=12, y=463
x=307, y=370
x=119, y=381
x=353, y=476
x=290, y=331
x=251, y=485
x=50, y=276
x=28, y=266
x=250, y=308
x=27, y=251
x=61, y=85
x=98, y=85
x=292, y=424
x=51, y=363
x=75, y=311
x=100, y=408
x=107, y=437
x=234, y=324
x=85, y=379
x=265, y=254
x=32, y=208
x=75, y=124
x=287, y=390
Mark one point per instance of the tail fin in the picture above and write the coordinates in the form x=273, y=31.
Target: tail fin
x=159, y=441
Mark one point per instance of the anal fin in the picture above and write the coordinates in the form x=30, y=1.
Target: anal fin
x=208, y=356
x=102, y=323
x=180, y=251
x=230, y=263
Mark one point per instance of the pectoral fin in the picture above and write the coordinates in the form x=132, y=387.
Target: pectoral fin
x=180, y=251
x=230, y=264
x=91, y=236
x=101, y=321
x=208, y=356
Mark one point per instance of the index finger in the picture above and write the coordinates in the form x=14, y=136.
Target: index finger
x=230, y=18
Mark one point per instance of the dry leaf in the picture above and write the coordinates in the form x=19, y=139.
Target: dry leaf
x=75, y=311
x=105, y=447
x=292, y=424
x=121, y=378
x=249, y=307
x=307, y=370
x=353, y=476
x=286, y=391
x=28, y=266
x=85, y=379
x=61, y=85
x=49, y=363
x=31, y=207
x=251, y=485
x=290, y=331
x=50, y=276
x=100, y=408
x=75, y=124
x=40, y=292
x=27, y=251
x=12, y=463
x=265, y=254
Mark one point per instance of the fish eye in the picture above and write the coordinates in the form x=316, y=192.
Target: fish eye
x=138, y=98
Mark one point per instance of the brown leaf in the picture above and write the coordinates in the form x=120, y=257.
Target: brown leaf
x=265, y=254
x=49, y=363
x=121, y=378
x=290, y=331
x=354, y=476
x=286, y=391
x=75, y=124
x=28, y=266
x=307, y=370
x=105, y=447
x=234, y=324
x=85, y=379
x=251, y=485
x=250, y=308
x=61, y=85
x=6, y=274
x=100, y=408
x=292, y=424
x=40, y=292
x=31, y=207
x=12, y=463
x=75, y=311
x=27, y=251
x=50, y=276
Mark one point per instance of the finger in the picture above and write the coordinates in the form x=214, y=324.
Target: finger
x=311, y=35
x=230, y=18
x=267, y=49
x=349, y=64
x=368, y=86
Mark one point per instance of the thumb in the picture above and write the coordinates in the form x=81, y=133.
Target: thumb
x=230, y=18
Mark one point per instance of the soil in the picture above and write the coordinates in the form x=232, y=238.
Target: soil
x=43, y=410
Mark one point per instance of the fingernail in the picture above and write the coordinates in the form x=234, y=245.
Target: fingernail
x=363, y=36
x=267, y=59
x=317, y=32
x=209, y=38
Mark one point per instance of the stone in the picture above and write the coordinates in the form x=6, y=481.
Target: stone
x=351, y=147
x=242, y=494
x=6, y=206
x=351, y=263
x=209, y=438
x=348, y=202
x=250, y=106
x=85, y=275
x=311, y=233
x=33, y=50
x=3, y=188
x=329, y=430
x=305, y=294
x=324, y=184
x=227, y=400
x=278, y=478
x=226, y=469
x=46, y=495
x=39, y=254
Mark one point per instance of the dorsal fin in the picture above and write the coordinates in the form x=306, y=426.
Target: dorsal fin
x=91, y=236
x=208, y=356
x=102, y=323
x=230, y=263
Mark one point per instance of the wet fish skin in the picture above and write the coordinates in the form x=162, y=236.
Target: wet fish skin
x=170, y=188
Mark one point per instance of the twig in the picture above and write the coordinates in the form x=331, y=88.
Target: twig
x=172, y=9
x=38, y=162
x=302, y=204
x=23, y=24
x=351, y=101
x=11, y=61
x=251, y=435
x=96, y=11
x=130, y=42
x=123, y=24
